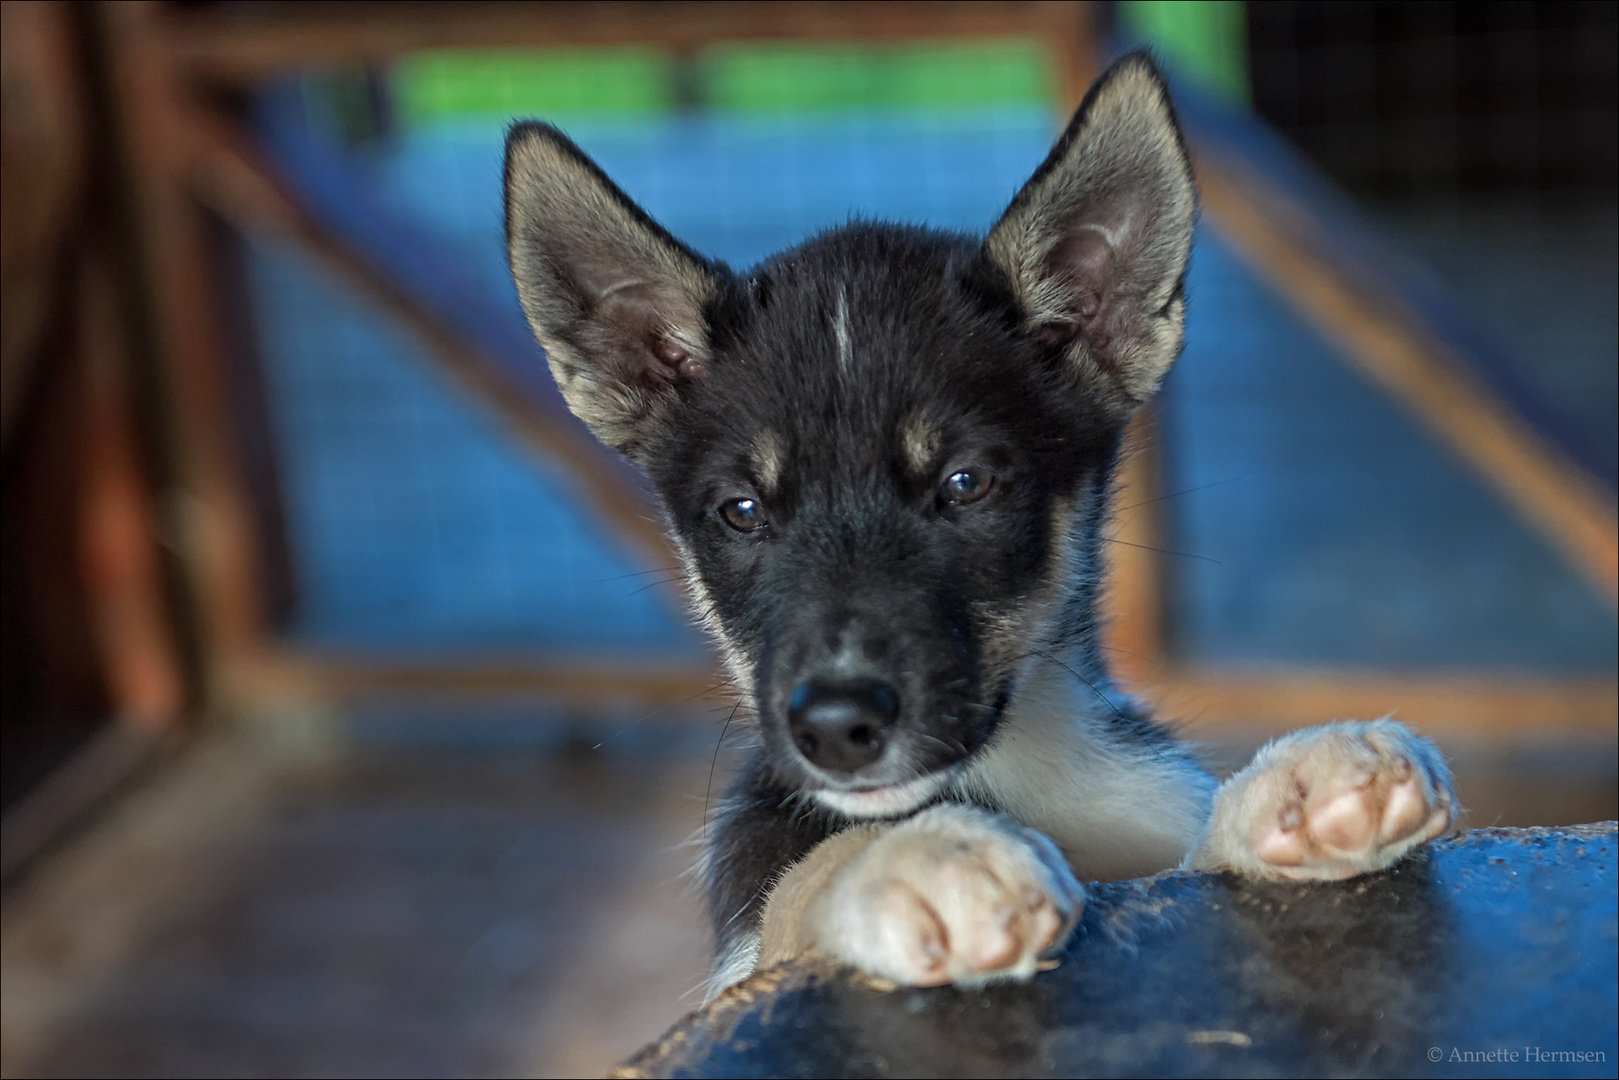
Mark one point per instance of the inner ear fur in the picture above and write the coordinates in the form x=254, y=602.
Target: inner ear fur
x=1096, y=244
x=617, y=303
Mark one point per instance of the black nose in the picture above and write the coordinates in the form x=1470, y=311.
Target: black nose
x=842, y=727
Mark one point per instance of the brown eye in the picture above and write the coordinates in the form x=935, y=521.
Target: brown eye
x=744, y=515
x=966, y=486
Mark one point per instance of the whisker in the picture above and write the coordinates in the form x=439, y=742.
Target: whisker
x=655, y=584
x=1161, y=551
x=1128, y=722
x=712, y=688
x=709, y=791
x=955, y=746
x=1176, y=494
x=643, y=573
x=1122, y=652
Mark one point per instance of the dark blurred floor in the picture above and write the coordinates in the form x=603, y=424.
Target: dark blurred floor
x=260, y=910
x=370, y=899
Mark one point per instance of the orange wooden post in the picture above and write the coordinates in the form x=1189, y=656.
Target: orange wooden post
x=204, y=504
x=118, y=527
x=1133, y=605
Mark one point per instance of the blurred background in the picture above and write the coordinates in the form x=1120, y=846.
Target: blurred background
x=353, y=724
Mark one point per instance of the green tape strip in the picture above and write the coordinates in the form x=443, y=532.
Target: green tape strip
x=1204, y=40
x=434, y=86
x=797, y=78
x=752, y=78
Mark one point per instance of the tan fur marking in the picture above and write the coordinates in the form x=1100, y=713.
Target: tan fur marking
x=1011, y=630
x=920, y=441
x=767, y=459
x=702, y=606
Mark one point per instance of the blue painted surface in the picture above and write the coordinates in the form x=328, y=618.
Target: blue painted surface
x=1321, y=525
x=1542, y=277
x=740, y=188
x=1335, y=531
x=415, y=524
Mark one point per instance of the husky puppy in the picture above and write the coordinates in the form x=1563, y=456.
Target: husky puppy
x=885, y=457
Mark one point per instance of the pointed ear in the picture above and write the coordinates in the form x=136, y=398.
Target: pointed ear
x=1096, y=244
x=617, y=303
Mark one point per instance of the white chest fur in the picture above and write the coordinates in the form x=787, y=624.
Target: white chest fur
x=1117, y=804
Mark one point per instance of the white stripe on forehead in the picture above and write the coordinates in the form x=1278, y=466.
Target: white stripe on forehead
x=840, y=327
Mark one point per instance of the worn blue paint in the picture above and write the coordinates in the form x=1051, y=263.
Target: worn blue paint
x=1490, y=953
x=1322, y=525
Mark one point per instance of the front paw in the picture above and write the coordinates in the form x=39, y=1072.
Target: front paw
x=953, y=895
x=1331, y=802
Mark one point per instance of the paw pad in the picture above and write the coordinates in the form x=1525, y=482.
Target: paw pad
x=1346, y=800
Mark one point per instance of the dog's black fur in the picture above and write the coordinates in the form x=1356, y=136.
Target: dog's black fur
x=885, y=457
x=863, y=542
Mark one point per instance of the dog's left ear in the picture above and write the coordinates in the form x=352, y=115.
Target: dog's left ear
x=1096, y=244
x=618, y=303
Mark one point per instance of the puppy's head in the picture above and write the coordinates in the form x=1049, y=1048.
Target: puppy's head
x=880, y=451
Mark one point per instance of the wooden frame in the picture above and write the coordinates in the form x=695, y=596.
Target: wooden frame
x=229, y=175
x=1386, y=342
x=167, y=61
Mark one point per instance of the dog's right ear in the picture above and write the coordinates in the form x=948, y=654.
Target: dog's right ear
x=617, y=303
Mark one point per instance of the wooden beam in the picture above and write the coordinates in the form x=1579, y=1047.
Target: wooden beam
x=1387, y=343
x=44, y=174
x=243, y=46
x=167, y=313
x=1069, y=31
x=140, y=658
x=1481, y=708
x=1133, y=602
x=233, y=178
x=590, y=683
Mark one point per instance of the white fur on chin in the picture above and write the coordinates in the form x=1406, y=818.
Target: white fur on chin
x=885, y=802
